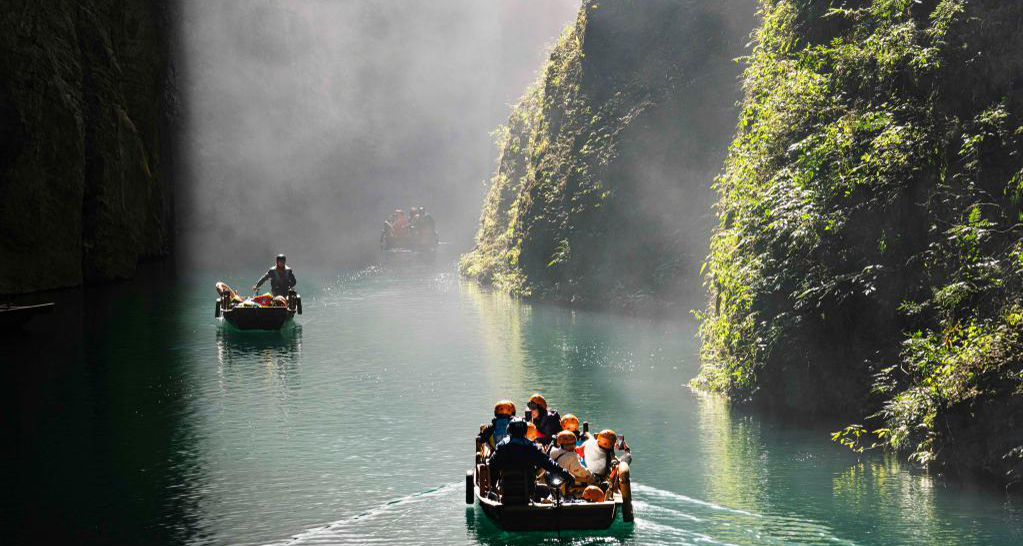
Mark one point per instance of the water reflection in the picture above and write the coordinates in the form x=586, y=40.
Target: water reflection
x=733, y=456
x=797, y=486
x=96, y=413
x=579, y=360
x=501, y=321
x=354, y=426
x=269, y=357
x=274, y=349
x=881, y=482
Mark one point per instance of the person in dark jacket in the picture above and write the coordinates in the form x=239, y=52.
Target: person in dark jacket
x=516, y=453
x=547, y=421
x=282, y=278
x=497, y=430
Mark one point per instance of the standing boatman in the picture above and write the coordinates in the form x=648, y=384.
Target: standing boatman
x=281, y=277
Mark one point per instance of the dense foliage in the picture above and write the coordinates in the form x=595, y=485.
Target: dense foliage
x=601, y=196
x=868, y=261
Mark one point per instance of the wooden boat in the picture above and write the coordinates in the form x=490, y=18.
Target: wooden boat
x=550, y=516
x=15, y=316
x=258, y=318
x=408, y=241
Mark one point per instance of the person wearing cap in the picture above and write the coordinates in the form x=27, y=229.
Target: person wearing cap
x=547, y=421
x=599, y=453
x=497, y=430
x=532, y=434
x=281, y=277
x=571, y=423
x=517, y=453
x=564, y=454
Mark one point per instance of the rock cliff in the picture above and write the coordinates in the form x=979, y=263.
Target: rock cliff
x=602, y=193
x=84, y=141
x=868, y=263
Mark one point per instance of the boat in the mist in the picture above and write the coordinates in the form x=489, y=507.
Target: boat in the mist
x=251, y=314
x=15, y=316
x=412, y=233
x=396, y=243
x=576, y=515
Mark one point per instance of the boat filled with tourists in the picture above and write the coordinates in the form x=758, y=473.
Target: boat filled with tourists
x=547, y=474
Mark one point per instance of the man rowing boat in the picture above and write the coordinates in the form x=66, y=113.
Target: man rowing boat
x=281, y=277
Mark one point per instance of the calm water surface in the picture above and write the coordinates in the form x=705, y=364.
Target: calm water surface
x=138, y=418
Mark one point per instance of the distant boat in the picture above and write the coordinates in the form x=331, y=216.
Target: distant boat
x=401, y=235
x=15, y=316
x=390, y=242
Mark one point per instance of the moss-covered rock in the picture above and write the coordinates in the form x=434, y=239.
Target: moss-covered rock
x=601, y=195
x=84, y=191
x=868, y=260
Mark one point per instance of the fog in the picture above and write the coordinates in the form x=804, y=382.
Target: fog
x=308, y=121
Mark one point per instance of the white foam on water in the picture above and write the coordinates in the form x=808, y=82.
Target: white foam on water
x=340, y=531
x=758, y=528
x=647, y=508
x=656, y=523
x=653, y=491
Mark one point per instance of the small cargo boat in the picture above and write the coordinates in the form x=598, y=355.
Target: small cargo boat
x=250, y=315
x=559, y=515
x=15, y=316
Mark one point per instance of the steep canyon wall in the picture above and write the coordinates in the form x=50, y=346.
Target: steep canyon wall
x=85, y=107
x=868, y=262
x=602, y=193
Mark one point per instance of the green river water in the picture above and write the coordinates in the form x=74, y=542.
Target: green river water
x=138, y=418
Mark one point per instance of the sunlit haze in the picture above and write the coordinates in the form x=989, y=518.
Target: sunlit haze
x=309, y=121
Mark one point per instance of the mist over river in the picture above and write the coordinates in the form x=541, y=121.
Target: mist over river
x=139, y=418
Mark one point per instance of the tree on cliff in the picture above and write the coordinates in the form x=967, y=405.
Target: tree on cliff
x=602, y=193
x=868, y=263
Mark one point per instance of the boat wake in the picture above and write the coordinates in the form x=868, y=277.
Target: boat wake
x=672, y=518
x=438, y=516
x=357, y=528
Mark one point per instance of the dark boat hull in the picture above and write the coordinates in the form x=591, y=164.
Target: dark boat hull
x=15, y=316
x=258, y=318
x=588, y=516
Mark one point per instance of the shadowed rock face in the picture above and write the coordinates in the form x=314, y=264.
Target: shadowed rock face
x=84, y=190
x=602, y=195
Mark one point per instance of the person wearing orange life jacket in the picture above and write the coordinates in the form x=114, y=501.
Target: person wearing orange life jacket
x=547, y=421
x=564, y=454
x=497, y=430
x=599, y=453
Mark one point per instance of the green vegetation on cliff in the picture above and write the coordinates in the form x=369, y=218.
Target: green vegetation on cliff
x=868, y=263
x=601, y=196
